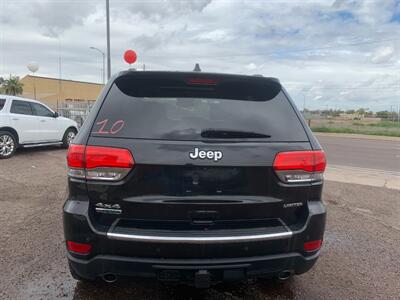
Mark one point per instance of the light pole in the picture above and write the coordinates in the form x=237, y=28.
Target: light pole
x=33, y=67
x=104, y=56
x=108, y=39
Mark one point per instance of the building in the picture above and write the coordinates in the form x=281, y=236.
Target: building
x=55, y=92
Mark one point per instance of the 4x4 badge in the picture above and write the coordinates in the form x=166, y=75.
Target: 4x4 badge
x=215, y=155
x=105, y=208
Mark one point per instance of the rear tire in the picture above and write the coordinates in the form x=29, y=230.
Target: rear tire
x=69, y=136
x=8, y=144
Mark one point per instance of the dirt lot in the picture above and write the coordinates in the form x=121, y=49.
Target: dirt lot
x=360, y=257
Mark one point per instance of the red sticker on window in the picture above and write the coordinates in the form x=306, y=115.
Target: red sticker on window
x=113, y=129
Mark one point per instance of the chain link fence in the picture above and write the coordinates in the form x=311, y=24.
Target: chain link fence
x=77, y=111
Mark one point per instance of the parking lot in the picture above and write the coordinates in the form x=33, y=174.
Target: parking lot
x=360, y=257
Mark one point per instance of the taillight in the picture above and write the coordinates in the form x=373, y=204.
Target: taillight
x=99, y=163
x=79, y=248
x=300, y=166
x=76, y=161
x=75, y=156
x=312, y=245
x=202, y=81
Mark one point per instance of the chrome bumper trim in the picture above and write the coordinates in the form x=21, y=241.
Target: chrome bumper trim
x=198, y=240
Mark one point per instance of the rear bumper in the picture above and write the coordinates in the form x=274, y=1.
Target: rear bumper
x=178, y=259
x=184, y=270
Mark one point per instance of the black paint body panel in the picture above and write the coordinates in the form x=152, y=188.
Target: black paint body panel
x=168, y=192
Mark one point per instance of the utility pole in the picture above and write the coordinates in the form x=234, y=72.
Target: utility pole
x=108, y=39
x=391, y=113
x=104, y=69
x=103, y=55
x=59, y=73
x=398, y=113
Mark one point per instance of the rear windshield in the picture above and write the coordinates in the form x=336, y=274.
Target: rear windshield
x=2, y=102
x=198, y=109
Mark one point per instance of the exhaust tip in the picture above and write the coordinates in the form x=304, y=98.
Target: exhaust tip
x=110, y=278
x=284, y=275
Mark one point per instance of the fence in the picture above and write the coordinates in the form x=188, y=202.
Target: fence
x=77, y=111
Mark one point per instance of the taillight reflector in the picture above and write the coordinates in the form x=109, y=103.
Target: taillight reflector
x=312, y=245
x=79, y=248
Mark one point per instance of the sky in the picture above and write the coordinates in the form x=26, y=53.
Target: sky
x=328, y=54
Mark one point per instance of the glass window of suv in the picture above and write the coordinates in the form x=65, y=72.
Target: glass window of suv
x=21, y=107
x=241, y=108
x=2, y=103
x=41, y=111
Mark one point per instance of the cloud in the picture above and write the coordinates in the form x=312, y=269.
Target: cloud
x=339, y=4
x=383, y=55
x=57, y=16
x=162, y=9
x=318, y=49
x=217, y=35
x=251, y=66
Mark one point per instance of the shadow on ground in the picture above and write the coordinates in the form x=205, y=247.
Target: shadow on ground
x=37, y=150
x=252, y=289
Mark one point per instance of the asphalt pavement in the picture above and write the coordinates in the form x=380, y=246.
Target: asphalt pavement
x=367, y=152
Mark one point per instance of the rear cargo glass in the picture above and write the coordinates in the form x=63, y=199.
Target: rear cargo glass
x=184, y=109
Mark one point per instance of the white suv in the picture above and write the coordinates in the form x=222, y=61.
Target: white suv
x=29, y=123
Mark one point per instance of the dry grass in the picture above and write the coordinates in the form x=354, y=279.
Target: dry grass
x=369, y=127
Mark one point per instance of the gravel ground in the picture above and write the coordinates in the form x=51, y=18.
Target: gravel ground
x=360, y=258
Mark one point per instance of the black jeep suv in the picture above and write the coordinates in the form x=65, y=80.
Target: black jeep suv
x=193, y=177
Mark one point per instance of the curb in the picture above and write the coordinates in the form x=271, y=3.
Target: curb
x=371, y=177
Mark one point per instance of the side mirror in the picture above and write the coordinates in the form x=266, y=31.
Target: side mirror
x=56, y=115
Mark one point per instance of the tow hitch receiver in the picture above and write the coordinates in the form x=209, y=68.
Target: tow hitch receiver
x=202, y=279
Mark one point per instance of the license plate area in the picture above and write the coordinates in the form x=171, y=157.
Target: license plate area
x=202, y=276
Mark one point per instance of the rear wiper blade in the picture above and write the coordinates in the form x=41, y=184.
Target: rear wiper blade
x=231, y=134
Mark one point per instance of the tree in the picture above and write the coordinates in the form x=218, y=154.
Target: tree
x=12, y=86
x=369, y=114
x=361, y=111
x=1, y=85
x=383, y=114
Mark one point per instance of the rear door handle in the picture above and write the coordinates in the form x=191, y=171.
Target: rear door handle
x=42, y=120
x=15, y=119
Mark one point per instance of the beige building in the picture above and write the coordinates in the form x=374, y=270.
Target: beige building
x=53, y=92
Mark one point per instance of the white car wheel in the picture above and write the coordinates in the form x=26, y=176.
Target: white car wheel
x=7, y=145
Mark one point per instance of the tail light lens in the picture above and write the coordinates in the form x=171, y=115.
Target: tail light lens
x=312, y=245
x=202, y=81
x=300, y=166
x=99, y=163
x=79, y=248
